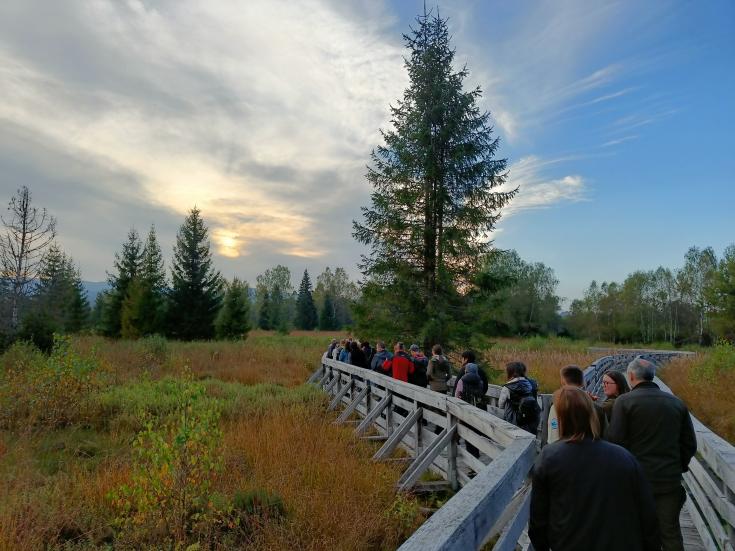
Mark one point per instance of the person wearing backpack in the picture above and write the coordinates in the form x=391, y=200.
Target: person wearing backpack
x=439, y=370
x=518, y=399
x=469, y=387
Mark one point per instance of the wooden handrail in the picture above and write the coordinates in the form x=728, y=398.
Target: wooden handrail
x=485, y=456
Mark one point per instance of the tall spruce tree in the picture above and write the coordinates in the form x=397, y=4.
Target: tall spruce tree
x=127, y=266
x=196, y=290
x=436, y=194
x=233, y=320
x=306, y=316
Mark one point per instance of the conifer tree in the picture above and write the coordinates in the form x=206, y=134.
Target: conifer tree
x=127, y=267
x=233, y=320
x=306, y=316
x=143, y=307
x=196, y=286
x=264, y=321
x=60, y=298
x=436, y=193
x=327, y=317
x=79, y=310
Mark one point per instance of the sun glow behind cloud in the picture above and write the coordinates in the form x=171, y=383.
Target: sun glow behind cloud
x=246, y=111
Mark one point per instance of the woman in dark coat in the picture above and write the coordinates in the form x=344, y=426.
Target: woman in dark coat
x=357, y=356
x=613, y=385
x=588, y=494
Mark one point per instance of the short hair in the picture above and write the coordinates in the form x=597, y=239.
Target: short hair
x=642, y=369
x=573, y=375
x=365, y=343
x=515, y=369
x=619, y=381
x=469, y=355
x=414, y=348
x=400, y=346
x=576, y=414
x=354, y=346
x=437, y=349
x=381, y=345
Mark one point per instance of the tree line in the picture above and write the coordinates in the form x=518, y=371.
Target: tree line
x=691, y=304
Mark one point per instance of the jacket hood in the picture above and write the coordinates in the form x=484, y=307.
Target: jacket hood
x=522, y=385
x=471, y=368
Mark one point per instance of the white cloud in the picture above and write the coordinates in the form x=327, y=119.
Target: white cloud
x=537, y=190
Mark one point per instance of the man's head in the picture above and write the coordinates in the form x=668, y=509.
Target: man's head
x=468, y=357
x=572, y=375
x=515, y=369
x=640, y=370
x=380, y=345
x=437, y=350
x=400, y=347
x=414, y=349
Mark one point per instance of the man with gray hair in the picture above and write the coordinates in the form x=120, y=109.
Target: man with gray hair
x=656, y=428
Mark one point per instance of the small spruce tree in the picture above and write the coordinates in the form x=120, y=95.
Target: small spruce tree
x=127, y=265
x=233, y=320
x=327, y=317
x=264, y=320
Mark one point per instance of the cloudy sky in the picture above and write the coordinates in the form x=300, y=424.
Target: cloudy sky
x=615, y=118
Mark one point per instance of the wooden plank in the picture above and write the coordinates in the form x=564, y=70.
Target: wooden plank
x=331, y=384
x=338, y=397
x=373, y=415
x=353, y=405
x=705, y=539
x=425, y=459
x=430, y=487
x=492, y=427
x=482, y=443
x=324, y=379
x=315, y=376
x=511, y=533
x=470, y=460
x=397, y=435
x=708, y=514
x=466, y=519
x=711, y=488
x=378, y=437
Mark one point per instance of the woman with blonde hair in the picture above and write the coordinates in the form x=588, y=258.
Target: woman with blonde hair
x=580, y=482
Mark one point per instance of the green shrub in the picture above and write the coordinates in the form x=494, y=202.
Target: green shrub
x=169, y=498
x=721, y=359
x=47, y=391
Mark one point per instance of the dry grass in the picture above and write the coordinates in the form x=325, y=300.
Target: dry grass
x=707, y=392
x=56, y=482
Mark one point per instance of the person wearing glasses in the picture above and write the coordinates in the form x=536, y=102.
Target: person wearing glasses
x=613, y=385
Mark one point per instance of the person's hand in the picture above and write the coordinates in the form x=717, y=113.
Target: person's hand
x=594, y=398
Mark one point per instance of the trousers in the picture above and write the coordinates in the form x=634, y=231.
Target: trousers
x=668, y=508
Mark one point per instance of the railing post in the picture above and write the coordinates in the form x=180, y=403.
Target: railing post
x=452, y=476
x=417, y=439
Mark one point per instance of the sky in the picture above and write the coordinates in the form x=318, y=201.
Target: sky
x=615, y=118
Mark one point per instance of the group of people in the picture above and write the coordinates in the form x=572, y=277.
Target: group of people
x=413, y=366
x=611, y=475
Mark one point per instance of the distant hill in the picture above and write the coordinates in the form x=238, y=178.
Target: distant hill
x=94, y=288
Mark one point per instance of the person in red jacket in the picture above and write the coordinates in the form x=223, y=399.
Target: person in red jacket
x=400, y=365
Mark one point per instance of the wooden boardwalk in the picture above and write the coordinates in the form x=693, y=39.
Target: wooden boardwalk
x=491, y=474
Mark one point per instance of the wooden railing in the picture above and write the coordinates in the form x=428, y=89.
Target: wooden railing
x=488, y=458
x=710, y=482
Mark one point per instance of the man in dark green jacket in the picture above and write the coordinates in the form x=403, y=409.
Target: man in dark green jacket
x=656, y=428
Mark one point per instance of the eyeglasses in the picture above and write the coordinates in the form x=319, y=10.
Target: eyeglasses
x=608, y=383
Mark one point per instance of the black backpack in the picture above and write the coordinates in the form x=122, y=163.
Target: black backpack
x=525, y=408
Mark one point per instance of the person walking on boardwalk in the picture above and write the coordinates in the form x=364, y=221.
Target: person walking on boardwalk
x=518, y=398
x=468, y=357
x=400, y=365
x=613, y=385
x=357, y=356
x=574, y=376
x=588, y=494
x=381, y=354
x=439, y=370
x=657, y=429
x=420, y=363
